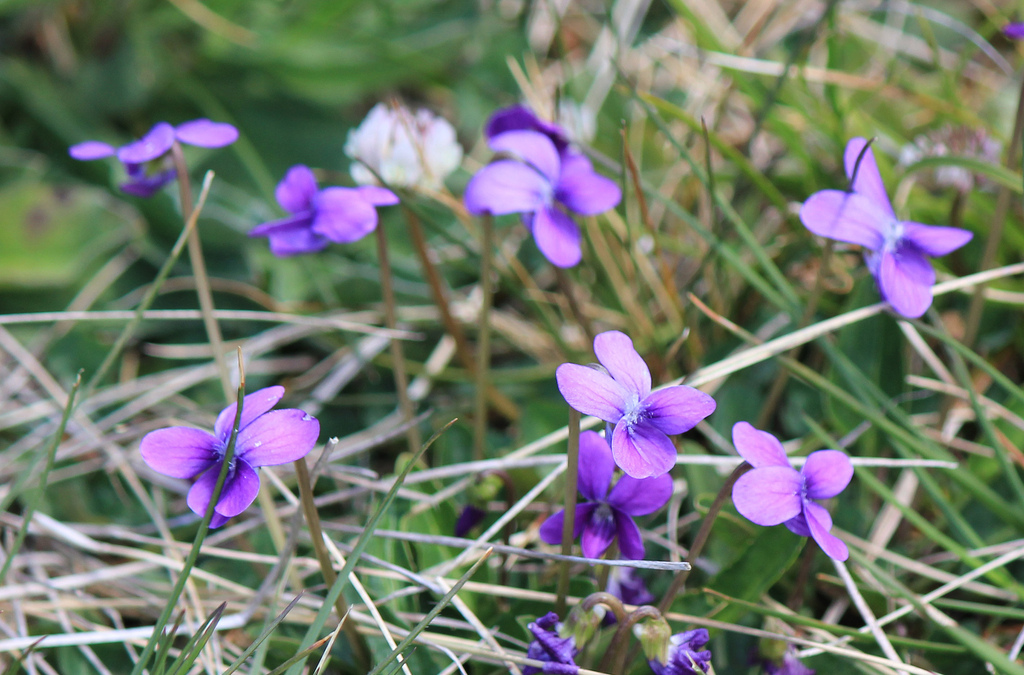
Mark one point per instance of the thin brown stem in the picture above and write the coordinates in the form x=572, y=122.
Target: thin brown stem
x=405, y=405
x=501, y=403
x=571, y=476
x=483, y=347
x=995, y=232
x=359, y=647
x=195, y=254
x=702, y=534
x=617, y=651
x=606, y=599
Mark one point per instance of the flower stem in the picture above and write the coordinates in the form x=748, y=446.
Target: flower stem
x=606, y=599
x=500, y=402
x=204, y=527
x=195, y=254
x=995, y=232
x=483, y=348
x=358, y=643
x=616, y=654
x=702, y=534
x=412, y=432
x=571, y=476
x=568, y=290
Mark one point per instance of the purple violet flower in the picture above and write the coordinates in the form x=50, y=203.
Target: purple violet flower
x=897, y=250
x=1014, y=31
x=155, y=145
x=318, y=217
x=557, y=652
x=626, y=585
x=775, y=493
x=622, y=396
x=470, y=516
x=607, y=516
x=265, y=438
x=521, y=118
x=685, y=655
x=532, y=183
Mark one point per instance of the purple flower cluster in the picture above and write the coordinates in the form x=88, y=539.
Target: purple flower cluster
x=153, y=148
x=557, y=652
x=686, y=655
x=897, y=251
x=608, y=516
x=775, y=493
x=318, y=217
x=621, y=395
x=543, y=179
x=265, y=438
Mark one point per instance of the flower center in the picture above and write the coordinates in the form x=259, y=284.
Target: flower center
x=634, y=410
x=893, y=236
x=603, y=513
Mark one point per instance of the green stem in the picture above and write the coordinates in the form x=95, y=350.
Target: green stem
x=571, y=476
x=412, y=432
x=483, y=349
x=204, y=527
x=606, y=599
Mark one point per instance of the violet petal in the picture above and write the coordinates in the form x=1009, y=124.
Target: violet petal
x=642, y=451
x=206, y=134
x=598, y=532
x=596, y=466
x=769, y=495
x=253, y=405
x=640, y=496
x=798, y=525
x=532, y=147
x=868, y=181
x=199, y=494
x=935, y=240
x=296, y=191
x=551, y=530
x=557, y=237
x=291, y=236
x=377, y=195
x=905, y=280
x=827, y=473
x=1014, y=31
x=239, y=491
x=277, y=437
x=155, y=143
x=343, y=215
x=631, y=544
x=758, y=448
x=615, y=351
x=675, y=410
x=146, y=186
x=179, y=452
x=832, y=545
x=591, y=391
x=505, y=187
x=90, y=150
x=583, y=190
x=845, y=216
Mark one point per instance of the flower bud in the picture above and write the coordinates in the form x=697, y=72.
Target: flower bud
x=582, y=624
x=655, y=638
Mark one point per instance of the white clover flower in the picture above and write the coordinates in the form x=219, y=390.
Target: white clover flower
x=405, y=149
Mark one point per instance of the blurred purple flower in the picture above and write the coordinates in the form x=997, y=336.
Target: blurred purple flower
x=557, y=652
x=685, y=655
x=898, y=250
x=607, y=516
x=775, y=493
x=143, y=180
x=790, y=665
x=531, y=184
x=1014, y=31
x=626, y=585
x=318, y=217
x=622, y=396
x=265, y=438
x=469, y=517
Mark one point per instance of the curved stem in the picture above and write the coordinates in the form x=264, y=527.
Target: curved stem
x=616, y=654
x=606, y=599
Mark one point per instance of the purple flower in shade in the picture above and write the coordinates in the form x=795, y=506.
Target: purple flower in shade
x=318, y=217
x=1014, y=31
x=146, y=175
x=897, y=250
x=626, y=585
x=685, y=654
x=790, y=665
x=623, y=397
x=608, y=516
x=557, y=652
x=775, y=493
x=531, y=185
x=265, y=438
x=521, y=118
x=469, y=517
